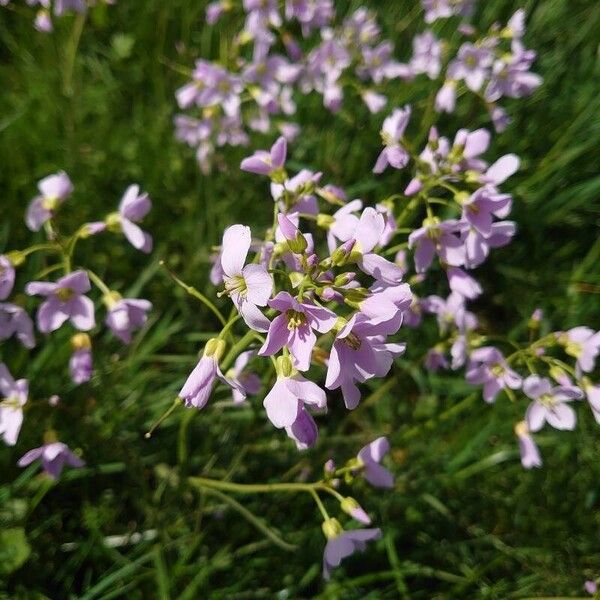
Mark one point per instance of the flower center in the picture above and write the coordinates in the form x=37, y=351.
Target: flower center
x=11, y=402
x=65, y=294
x=547, y=400
x=113, y=222
x=497, y=370
x=295, y=319
x=236, y=285
x=50, y=203
x=353, y=341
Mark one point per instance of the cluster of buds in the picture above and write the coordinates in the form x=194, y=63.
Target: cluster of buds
x=65, y=302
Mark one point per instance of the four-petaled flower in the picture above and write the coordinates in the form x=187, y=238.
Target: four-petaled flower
x=11, y=407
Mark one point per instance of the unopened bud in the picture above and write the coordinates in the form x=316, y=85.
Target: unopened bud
x=283, y=366
x=298, y=245
x=351, y=507
x=340, y=255
x=81, y=341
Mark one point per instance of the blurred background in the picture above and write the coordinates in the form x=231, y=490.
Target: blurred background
x=465, y=520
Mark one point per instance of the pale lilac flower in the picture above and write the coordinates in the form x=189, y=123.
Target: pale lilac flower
x=516, y=24
x=436, y=237
x=43, y=21
x=341, y=544
x=435, y=360
x=483, y=205
x=488, y=367
x=54, y=457
x=248, y=286
x=462, y=283
x=312, y=14
x=530, y=454
x=502, y=169
x=132, y=209
x=15, y=321
x=500, y=119
x=387, y=303
x=443, y=9
x=427, y=54
x=359, y=353
x=14, y=395
x=591, y=587
x=375, y=102
x=295, y=328
x=477, y=246
x=65, y=300
x=289, y=394
x=301, y=186
x=583, y=344
x=445, y=99
x=392, y=132
x=267, y=163
x=451, y=311
x=62, y=6
x=81, y=365
x=472, y=65
x=550, y=404
x=199, y=385
x=126, y=315
x=215, y=10
x=344, y=224
x=511, y=77
x=7, y=277
x=54, y=190
x=369, y=233
x=593, y=396
x=370, y=458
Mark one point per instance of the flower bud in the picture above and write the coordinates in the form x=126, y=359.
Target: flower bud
x=16, y=257
x=332, y=528
x=81, y=341
x=461, y=197
x=351, y=507
x=340, y=255
x=283, y=366
x=325, y=221
x=298, y=245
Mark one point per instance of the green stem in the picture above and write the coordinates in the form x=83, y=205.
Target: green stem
x=192, y=291
x=236, y=349
x=251, y=518
x=98, y=282
x=177, y=402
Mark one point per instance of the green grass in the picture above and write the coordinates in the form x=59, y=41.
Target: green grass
x=465, y=521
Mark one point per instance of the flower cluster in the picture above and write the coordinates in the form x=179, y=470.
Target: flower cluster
x=491, y=66
x=250, y=90
x=64, y=300
x=56, y=8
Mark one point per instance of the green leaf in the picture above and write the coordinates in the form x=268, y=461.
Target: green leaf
x=14, y=549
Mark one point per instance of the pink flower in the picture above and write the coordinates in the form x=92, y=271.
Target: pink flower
x=392, y=132
x=267, y=163
x=370, y=458
x=295, y=328
x=248, y=286
x=488, y=367
x=11, y=407
x=54, y=190
x=550, y=404
x=54, y=456
x=65, y=300
x=132, y=209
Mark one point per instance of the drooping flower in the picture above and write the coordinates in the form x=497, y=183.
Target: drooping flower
x=286, y=403
x=199, y=385
x=341, y=544
x=7, y=277
x=248, y=286
x=81, y=362
x=370, y=457
x=53, y=456
x=488, y=367
x=15, y=321
x=393, y=129
x=125, y=315
x=54, y=190
x=530, y=454
x=132, y=209
x=351, y=507
x=65, y=300
x=550, y=404
x=11, y=407
x=295, y=328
